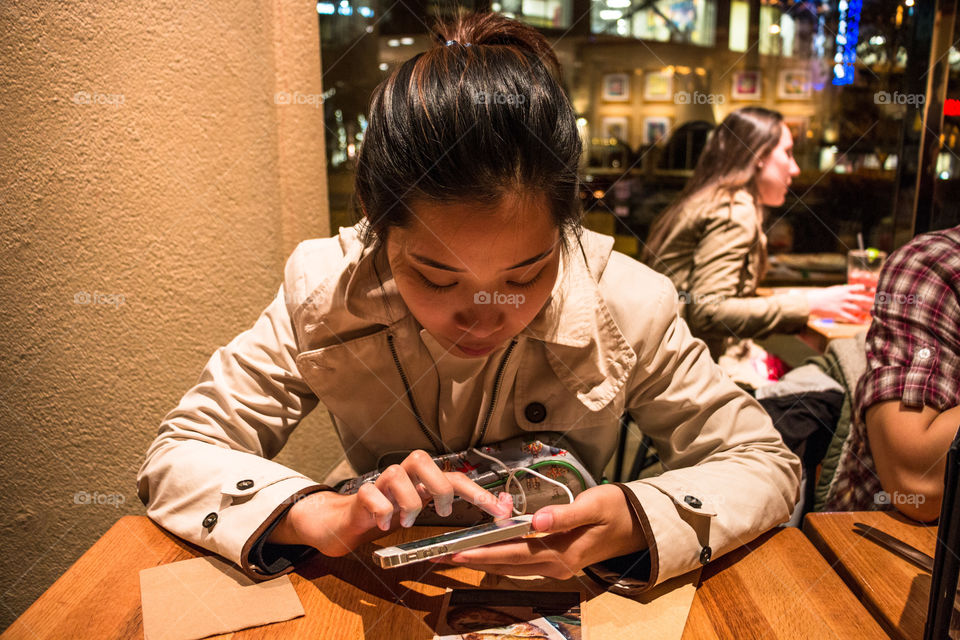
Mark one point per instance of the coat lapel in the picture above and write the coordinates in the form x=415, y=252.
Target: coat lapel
x=583, y=344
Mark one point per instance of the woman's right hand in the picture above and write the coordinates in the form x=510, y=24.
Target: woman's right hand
x=336, y=524
x=845, y=302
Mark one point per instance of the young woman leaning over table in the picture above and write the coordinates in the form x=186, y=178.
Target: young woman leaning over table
x=468, y=306
x=710, y=242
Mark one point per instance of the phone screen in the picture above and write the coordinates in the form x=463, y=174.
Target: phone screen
x=453, y=536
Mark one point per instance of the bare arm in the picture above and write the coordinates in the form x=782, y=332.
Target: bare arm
x=909, y=449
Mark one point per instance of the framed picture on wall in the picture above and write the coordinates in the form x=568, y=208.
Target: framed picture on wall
x=793, y=85
x=615, y=127
x=616, y=87
x=657, y=85
x=747, y=85
x=655, y=129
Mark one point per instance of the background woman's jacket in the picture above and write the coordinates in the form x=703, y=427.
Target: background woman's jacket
x=713, y=257
x=603, y=344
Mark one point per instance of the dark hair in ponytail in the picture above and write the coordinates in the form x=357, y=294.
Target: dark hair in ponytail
x=480, y=115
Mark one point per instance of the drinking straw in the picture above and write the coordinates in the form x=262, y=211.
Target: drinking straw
x=860, y=240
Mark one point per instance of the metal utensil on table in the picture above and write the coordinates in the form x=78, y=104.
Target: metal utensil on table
x=899, y=547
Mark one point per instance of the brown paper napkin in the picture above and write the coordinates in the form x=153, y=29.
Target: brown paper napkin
x=658, y=614
x=206, y=596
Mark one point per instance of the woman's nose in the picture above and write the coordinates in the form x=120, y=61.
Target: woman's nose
x=479, y=320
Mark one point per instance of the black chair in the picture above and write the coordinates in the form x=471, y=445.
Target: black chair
x=646, y=455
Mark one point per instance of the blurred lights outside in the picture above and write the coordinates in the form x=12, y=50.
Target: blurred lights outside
x=848, y=31
x=344, y=8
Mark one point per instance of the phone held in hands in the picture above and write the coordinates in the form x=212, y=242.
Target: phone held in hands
x=454, y=541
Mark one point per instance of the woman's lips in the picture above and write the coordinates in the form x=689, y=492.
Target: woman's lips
x=474, y=352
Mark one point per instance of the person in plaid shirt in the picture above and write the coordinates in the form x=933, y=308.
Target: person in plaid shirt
x=907, y=405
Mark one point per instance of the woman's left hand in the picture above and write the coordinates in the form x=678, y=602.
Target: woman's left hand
x=597, y=526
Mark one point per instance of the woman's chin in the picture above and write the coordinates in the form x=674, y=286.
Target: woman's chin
x=775, y=202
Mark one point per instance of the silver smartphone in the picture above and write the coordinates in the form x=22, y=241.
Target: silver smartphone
x=460, y=540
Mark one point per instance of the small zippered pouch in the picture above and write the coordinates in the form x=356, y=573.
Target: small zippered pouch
x=545, y=453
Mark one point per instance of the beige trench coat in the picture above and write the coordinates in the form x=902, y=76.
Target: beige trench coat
x=710, y=258
x=602, y=345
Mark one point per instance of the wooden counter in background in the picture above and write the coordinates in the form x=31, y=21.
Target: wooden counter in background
x=819, y=332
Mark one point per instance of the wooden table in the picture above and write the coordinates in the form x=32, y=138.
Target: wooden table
x=774, y=588
x=777, y=586
x=894, y=590
x=818, y=333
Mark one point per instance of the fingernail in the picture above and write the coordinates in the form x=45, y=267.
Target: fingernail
x=408, y=519
x=443, y=505
x=384, y=523
x=543, y=521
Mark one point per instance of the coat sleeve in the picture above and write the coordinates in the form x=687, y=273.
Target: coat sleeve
x=727, y=475
x=208, y=476
x=716, y=307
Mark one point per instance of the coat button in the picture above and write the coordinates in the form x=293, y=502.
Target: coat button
x=244, y=484
x=535, y=412
x=210, y=520
x=705, y=555
x=693, y=501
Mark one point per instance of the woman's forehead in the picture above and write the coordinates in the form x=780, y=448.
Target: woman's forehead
x=458, y=234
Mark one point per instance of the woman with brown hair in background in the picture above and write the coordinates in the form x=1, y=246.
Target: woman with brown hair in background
x=710, y=242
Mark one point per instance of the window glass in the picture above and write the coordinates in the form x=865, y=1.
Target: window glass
x=649, y=80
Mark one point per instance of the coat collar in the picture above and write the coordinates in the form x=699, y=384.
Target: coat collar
x=371, y=292
x=584, y=345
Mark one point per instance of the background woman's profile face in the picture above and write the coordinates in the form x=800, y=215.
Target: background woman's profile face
x=474, y=274
x=776, y=174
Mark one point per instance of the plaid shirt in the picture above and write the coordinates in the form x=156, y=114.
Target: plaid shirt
x=913, y=355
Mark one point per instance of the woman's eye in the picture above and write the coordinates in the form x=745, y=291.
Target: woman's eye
x=528, y=283
x=433, y=285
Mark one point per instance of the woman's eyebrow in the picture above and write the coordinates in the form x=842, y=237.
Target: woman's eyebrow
x=439, y=265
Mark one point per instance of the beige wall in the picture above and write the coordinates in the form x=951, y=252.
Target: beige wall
x=151, y=188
